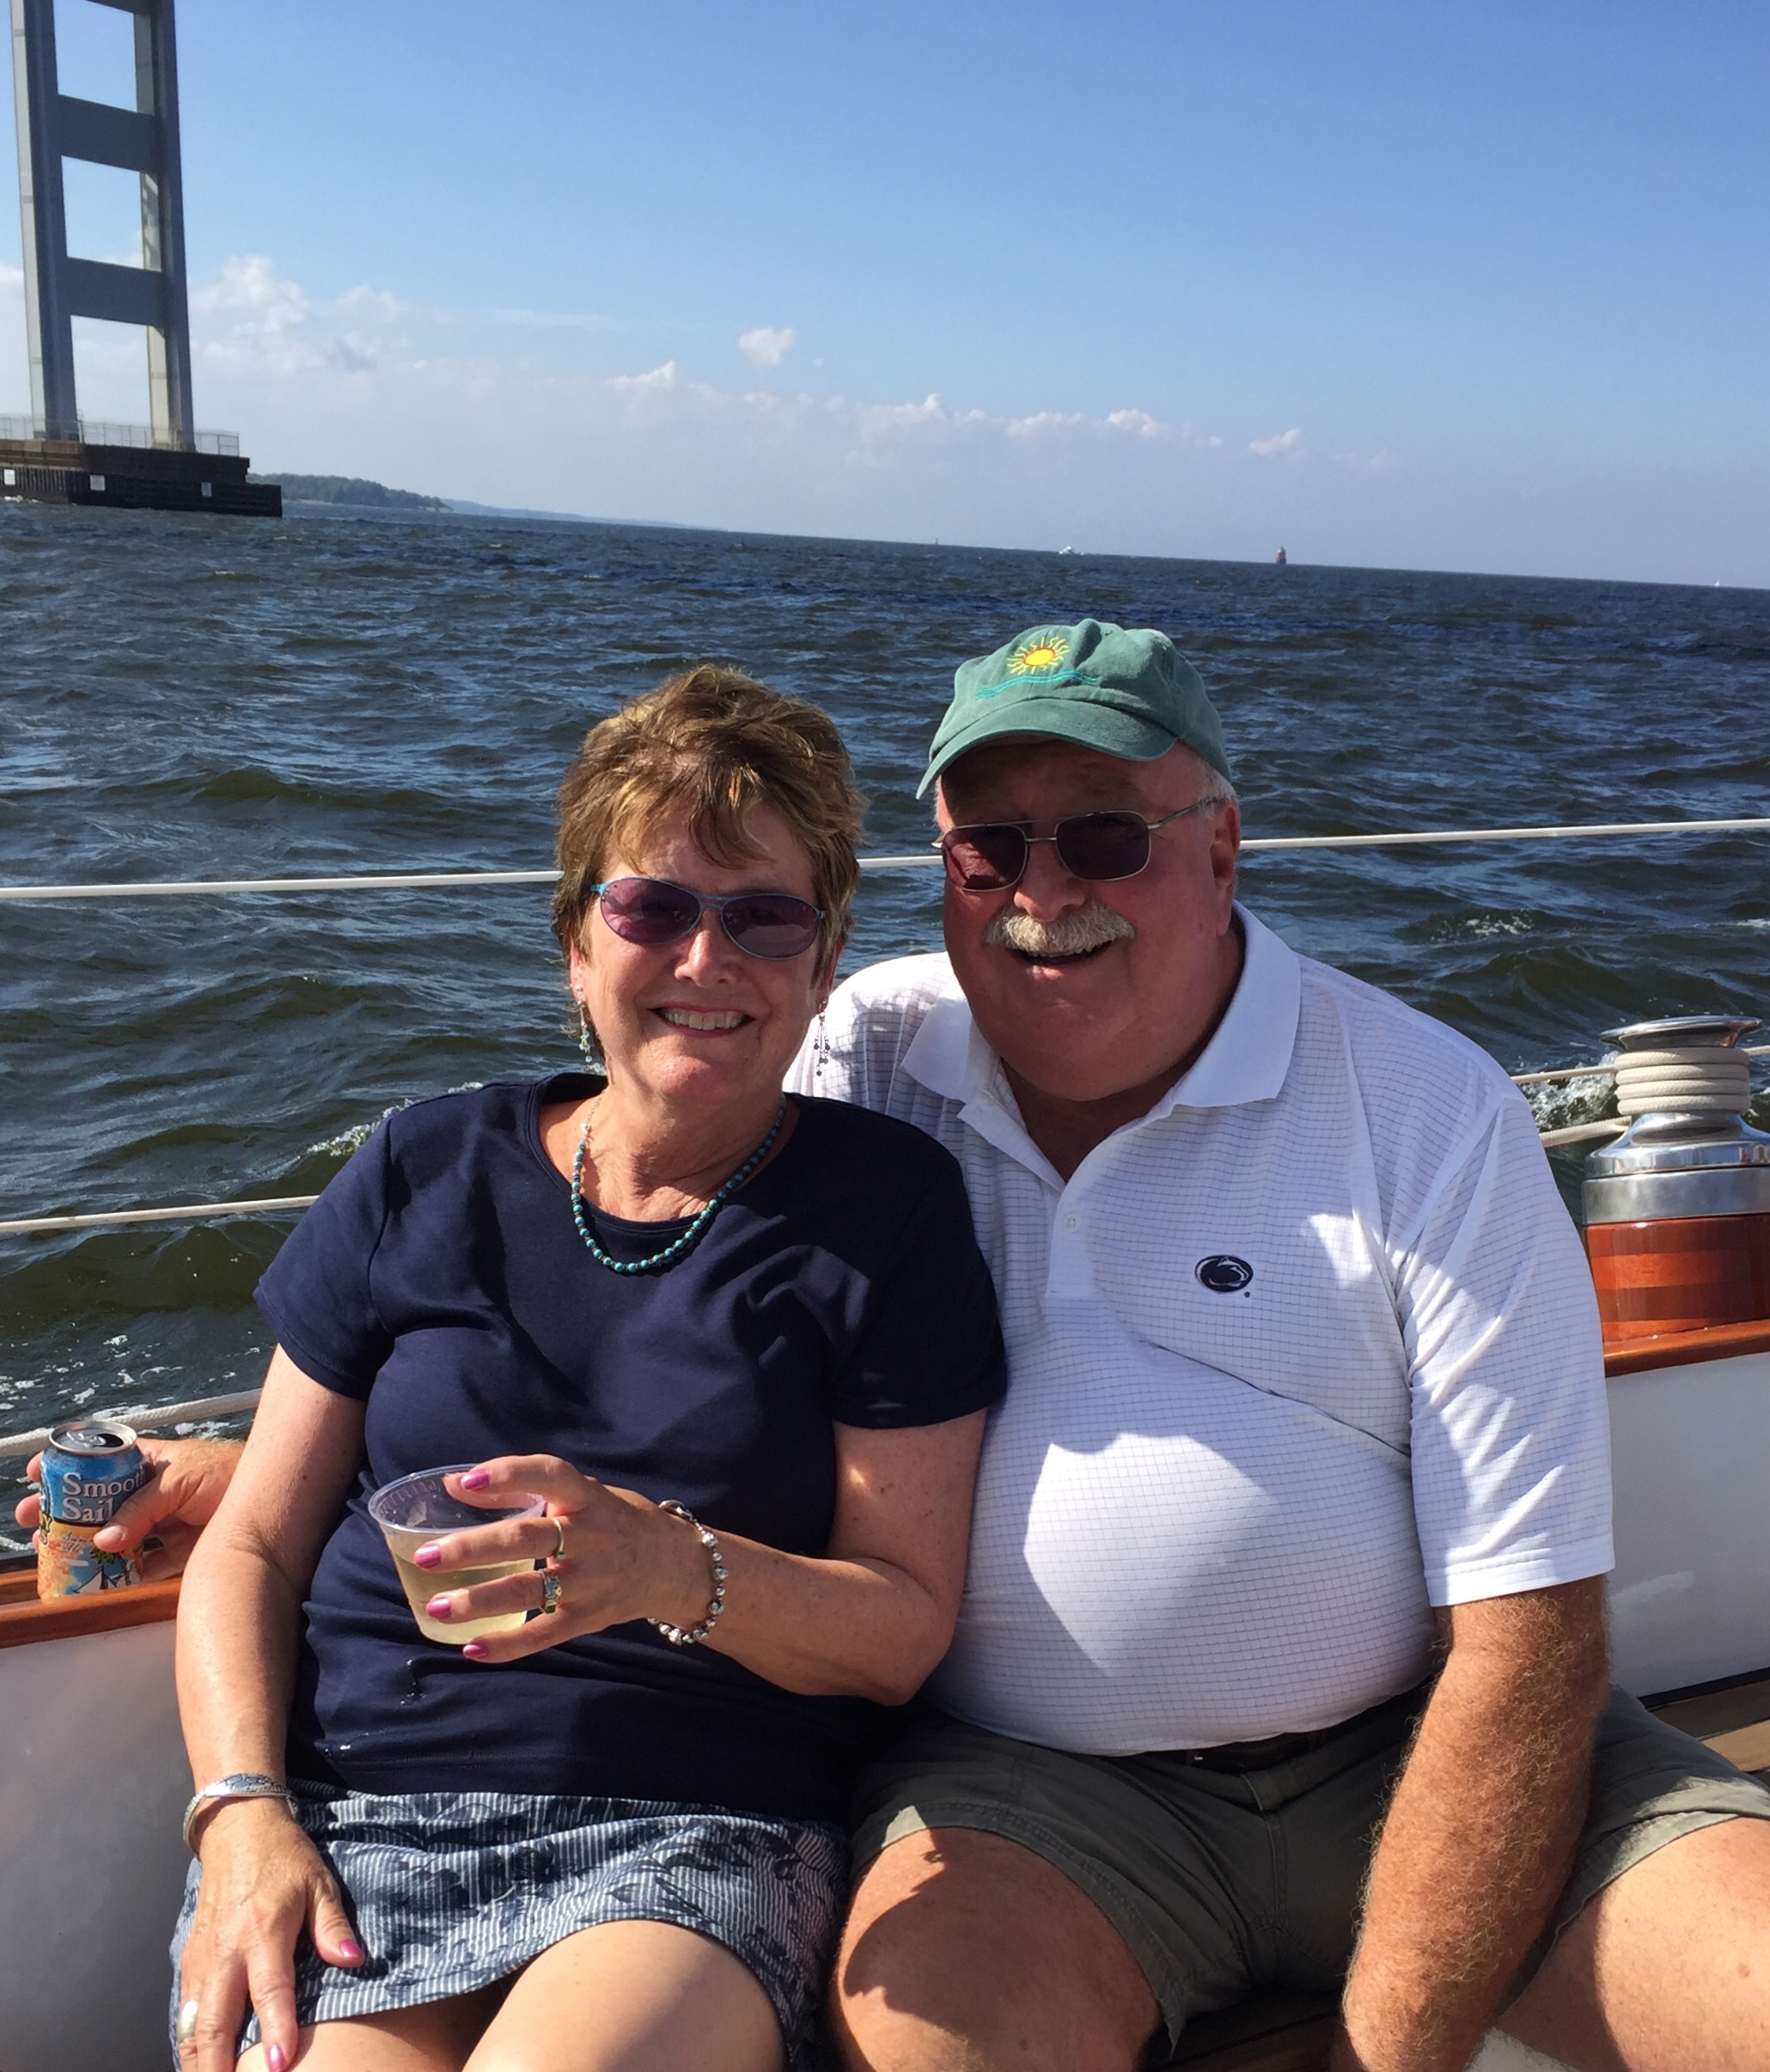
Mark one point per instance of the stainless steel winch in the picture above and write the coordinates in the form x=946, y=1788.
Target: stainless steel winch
x=1685, y=1087
x=1677, y=1210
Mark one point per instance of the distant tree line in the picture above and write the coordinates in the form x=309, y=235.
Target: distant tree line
x=351, y=489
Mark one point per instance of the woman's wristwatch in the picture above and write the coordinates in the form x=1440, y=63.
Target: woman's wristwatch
x=247, y=1784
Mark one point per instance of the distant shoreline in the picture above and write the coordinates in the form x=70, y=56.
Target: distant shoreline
x=348, y=495
x=359, y=493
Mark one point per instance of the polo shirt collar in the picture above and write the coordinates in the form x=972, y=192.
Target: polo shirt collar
x=1246, y=1059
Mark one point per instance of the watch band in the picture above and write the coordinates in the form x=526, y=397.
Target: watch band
x=247, y=1784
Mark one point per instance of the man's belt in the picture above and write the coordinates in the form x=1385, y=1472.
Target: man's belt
x=1238, y=1758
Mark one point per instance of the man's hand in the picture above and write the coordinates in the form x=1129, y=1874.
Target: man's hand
x=1482, y=1830
x=186, y=1481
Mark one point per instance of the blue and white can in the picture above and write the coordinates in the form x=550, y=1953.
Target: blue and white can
x=88, y=1469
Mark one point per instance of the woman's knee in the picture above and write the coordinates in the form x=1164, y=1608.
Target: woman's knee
x=958, y=1935
x=633, y=1997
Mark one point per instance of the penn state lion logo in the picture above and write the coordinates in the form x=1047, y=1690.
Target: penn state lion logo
x=1223, y=1273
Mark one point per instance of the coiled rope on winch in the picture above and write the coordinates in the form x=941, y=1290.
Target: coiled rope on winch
x=1709, y=1081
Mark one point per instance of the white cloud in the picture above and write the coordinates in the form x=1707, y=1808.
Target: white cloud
x=1044, y=421
x=876, y=434
x=252, y=293
x=872, y=433
x=1145, y=426
x=12, y=279
x=1382, y=462
x=526, y=407
x=765, y=348
x=661, y=381
x=1281, y=445
x=373, y=305
x=251, y=317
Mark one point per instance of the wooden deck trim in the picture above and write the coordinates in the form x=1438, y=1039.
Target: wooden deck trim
x=25, y=1617
x=1682, y=1348
x=1734, y=1722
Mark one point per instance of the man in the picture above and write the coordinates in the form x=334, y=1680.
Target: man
x=1305, y=1378
x=1292, y=1526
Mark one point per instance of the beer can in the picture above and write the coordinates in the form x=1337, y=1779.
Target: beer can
x=89, y=1469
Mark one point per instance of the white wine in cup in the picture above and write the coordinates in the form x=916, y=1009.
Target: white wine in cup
x=418, y=1508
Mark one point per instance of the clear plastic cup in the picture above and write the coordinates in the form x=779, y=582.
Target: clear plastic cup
x=417, y=1509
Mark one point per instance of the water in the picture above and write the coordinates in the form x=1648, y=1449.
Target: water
x=193, y=698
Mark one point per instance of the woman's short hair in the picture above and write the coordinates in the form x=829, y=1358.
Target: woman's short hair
x=712, y=744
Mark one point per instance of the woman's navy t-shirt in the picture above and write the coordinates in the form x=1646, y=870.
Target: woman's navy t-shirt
x=440, y=1279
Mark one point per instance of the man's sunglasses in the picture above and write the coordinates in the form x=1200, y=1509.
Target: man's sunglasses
x=993, y=855
x=652, y=911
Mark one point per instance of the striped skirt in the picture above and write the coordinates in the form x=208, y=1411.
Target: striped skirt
x=452, y=1890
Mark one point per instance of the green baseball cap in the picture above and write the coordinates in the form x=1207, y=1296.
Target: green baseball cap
x=1126, y=690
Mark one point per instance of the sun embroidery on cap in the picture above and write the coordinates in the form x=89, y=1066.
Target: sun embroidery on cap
x=1038, y=654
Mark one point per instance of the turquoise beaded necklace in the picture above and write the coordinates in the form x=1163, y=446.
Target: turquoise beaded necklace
x=691, y=1236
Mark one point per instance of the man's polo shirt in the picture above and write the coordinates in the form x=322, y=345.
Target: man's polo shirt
x=1306, y=1350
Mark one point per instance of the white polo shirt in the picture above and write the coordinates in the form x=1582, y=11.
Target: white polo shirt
x=1306, y=1350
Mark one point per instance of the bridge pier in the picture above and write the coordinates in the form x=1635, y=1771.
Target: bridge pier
x=56, y=459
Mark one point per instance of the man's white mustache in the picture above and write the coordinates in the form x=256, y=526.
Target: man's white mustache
x=1074, y=931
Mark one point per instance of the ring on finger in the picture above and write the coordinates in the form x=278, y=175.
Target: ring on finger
x=550, y=1589
x=559, y=1525
x=186, y=2030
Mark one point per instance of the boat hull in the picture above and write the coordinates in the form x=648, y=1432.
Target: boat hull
x=96, y=1780
x=95, y=1784
x=1690, y=1453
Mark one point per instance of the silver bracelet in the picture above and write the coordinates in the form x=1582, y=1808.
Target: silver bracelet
x=247, y=1784
x=685, y=1636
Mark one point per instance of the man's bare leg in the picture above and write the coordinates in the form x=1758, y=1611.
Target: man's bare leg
x=1667, y=1970
x=966, y=1952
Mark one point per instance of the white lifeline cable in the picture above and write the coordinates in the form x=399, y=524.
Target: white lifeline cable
x=453, y=880
x=15, y=1445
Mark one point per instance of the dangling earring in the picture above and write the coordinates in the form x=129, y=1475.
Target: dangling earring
x=586, y=1042
x=820, y=1049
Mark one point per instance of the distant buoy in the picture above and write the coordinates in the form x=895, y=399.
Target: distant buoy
x=1279, y=557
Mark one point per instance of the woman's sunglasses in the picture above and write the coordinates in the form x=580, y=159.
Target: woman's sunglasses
x=993, y=855
x=651, y=911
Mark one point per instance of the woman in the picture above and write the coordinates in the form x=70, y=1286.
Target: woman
x=606, y=1838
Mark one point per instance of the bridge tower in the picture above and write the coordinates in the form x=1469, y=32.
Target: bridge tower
x=54, y=126
x=166, y=464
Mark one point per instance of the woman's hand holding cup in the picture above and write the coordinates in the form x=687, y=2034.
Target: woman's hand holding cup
x=610, y=1556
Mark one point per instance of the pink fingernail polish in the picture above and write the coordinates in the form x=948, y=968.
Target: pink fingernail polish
x=475, y=1478
x=274, y=2057
x=474, y=1651
x=428, y=1557
x=351, y=1951
x=438, y=1608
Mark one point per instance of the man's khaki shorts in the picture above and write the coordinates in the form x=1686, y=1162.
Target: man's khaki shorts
x=1223, y=1884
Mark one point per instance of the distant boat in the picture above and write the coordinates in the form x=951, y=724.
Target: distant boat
x=1069, y=549
x=1280, y=557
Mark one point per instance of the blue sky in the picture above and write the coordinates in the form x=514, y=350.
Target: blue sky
x=1465, y=286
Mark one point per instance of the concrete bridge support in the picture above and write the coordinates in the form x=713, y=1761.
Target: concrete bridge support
x=54, y=126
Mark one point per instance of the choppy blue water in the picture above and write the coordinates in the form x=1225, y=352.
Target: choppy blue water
x=190, y=697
